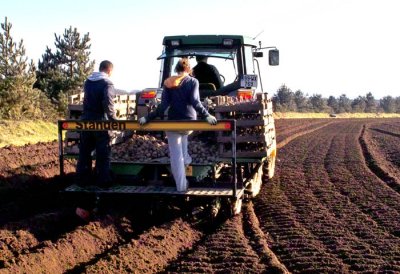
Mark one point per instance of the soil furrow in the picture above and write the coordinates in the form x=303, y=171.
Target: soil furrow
x=258, y=240
x=315, y=215
x=298, y=126
x=13, y=157
x=74, y=248
x=151, y=252
x=322, y=210
x=24, y=236
x=381, y=155
x=227, y=249
x=295, y=246
x=386, y=132
x=293, y=136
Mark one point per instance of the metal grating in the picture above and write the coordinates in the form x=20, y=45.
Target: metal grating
x=156, y=190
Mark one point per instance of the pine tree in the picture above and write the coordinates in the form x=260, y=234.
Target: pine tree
x=18, y=98
x=333, y=103
x=64, y=71
x=284, y=99
x=301, y=101
x=359, y=104
x=344, y=104
x=318, y=103
x=388, y=104
x=12, y=59
x=370, y=103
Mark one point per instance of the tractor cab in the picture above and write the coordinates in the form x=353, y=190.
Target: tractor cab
x=235, y=58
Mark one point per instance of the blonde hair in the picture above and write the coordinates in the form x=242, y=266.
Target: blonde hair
x=183, y=65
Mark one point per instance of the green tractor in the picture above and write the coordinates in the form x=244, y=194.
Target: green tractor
x=243, y=142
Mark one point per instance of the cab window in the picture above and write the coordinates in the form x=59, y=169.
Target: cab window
x=248, y=60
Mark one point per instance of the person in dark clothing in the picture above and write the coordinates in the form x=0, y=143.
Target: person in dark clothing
x=206, y=73
x=97, y=105
x=181, y=95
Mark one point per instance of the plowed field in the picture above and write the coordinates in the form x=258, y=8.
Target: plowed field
x=332, y=207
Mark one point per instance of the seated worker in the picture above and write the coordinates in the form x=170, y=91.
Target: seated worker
x=206, y=73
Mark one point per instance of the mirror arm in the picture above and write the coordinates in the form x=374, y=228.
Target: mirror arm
x=267, y=48
x=259, y=74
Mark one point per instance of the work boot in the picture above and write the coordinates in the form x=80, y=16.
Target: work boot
x=83, y=214
x=105, y=184
x=83, y=180
x=105, y=181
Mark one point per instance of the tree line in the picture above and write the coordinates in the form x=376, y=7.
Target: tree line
x=30, y=92
x=41, y=92
x=285, y=100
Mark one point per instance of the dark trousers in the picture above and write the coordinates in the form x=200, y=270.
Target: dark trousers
x=99, y=141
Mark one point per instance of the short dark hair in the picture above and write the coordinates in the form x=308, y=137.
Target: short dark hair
x=105, y=65
x=201, y=58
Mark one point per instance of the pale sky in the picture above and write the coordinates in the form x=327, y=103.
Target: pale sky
x=327, y=47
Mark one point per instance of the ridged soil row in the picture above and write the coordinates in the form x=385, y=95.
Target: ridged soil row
x=12, y=157
x=292, y=128
x=366, y=248
x=74, y=248
x=290, y=136
x=225, y=250
x=387, y=126
x=352, y=177
x=259, y=241
x=381, y=151
x=21, y=237
x=35, y=196
x=151, y=252
x=283, y=208
x=29, y=181
x=314, y=226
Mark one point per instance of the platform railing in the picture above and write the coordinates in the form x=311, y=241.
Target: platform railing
x=158, y=125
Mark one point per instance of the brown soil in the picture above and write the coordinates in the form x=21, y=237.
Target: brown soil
x=381, y=145
x=328, y=210
x=289, y=129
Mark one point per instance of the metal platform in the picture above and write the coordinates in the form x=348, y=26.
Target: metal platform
x=159, y=190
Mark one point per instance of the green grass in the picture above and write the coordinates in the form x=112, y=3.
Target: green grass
x=19, y=133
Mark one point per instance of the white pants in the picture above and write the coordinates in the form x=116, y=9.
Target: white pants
x=179, y=157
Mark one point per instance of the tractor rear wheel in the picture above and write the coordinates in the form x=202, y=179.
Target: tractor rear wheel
x=256, y=182
x=269, y=166
x=236, y=206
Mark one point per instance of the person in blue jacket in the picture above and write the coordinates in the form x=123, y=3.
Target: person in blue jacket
x=181, y=95
x=98, y=104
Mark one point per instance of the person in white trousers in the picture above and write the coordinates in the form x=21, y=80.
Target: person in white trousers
x=178, y=151
x=181, y=95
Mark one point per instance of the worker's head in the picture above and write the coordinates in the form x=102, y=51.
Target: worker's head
x=106, y=66
x=201, y=58
x=183, y=65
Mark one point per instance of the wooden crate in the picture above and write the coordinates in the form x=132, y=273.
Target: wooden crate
x=122, y=104
x=255, y=127
x=76, y=98
x=131, y=105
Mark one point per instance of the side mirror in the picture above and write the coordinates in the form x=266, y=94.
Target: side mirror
x=273, y=56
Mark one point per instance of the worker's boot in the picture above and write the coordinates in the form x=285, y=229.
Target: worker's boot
x=83, y=214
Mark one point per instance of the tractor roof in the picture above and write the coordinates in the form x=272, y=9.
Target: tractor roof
x=207, y=39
